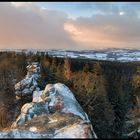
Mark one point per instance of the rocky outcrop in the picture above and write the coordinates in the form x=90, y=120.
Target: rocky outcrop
x=53, y=113
x=29, y=84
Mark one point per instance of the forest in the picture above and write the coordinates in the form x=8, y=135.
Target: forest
x=108, y=91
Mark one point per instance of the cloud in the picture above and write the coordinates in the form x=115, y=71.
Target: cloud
x=28, y=26
x=106, y=30
x=105, y=8
x=21, y=4
x=100, y=7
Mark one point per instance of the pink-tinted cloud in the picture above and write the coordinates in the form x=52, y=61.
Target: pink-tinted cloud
x=25, y=25
x=105, y=31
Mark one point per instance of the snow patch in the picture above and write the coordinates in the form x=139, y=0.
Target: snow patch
x=71, y=132
x=33, y=129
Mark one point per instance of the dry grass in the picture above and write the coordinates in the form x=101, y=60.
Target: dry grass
x=51, y=122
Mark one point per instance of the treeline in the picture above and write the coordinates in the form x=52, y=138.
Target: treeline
x=107, y=91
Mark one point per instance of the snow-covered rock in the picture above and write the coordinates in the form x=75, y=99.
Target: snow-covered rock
x=64, y=117
x=29, y=84
x=60, y=97
x=53, y=113
x=57, y=125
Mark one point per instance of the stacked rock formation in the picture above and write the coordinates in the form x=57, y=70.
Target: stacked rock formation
x=29, y=84
x=53, y=113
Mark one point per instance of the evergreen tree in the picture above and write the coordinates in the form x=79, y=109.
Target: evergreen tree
x=67, y=69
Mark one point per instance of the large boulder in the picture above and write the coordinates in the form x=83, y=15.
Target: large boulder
x=53, y=113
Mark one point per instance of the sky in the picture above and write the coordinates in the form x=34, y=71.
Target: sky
x=69, y=25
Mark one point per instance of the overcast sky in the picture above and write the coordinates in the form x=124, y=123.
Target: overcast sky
x=69, y=25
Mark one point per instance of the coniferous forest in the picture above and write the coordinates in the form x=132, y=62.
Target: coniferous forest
x=108, y=91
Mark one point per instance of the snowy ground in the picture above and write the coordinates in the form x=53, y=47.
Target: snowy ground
x=112, y=55
x=123, y=55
